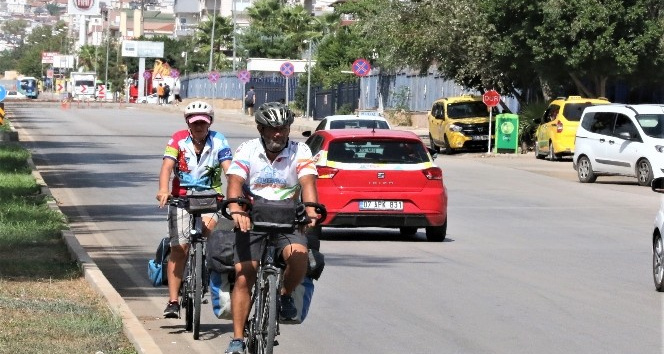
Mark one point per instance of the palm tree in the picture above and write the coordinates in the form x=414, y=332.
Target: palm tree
x=87, y=57
x=223, y=38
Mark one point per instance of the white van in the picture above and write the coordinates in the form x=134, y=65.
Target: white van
x=620, y=139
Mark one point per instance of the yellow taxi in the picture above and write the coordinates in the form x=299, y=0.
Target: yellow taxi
x=460, y=122
x=555, y=134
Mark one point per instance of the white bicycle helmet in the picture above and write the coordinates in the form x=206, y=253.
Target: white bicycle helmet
x=198, y=108
x=274, y=114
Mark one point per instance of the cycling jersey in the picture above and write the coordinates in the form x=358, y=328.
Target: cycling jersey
x=197, y=172
x=272, y=180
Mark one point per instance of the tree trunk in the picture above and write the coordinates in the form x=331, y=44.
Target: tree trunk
x=580, y=87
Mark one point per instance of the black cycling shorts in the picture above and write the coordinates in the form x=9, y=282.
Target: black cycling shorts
x=249, y=245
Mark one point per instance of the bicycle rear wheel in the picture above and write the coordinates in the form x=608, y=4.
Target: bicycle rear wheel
x=198, y=287
x=266, y=317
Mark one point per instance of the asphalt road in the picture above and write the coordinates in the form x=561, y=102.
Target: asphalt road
x=534, y=262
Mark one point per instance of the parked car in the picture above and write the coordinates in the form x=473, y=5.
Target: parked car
x=379, y=178
x=460, y=122
x=351, y=121
x=620, y=139
x=657, y=244
x=555, y=133
x=152, y=99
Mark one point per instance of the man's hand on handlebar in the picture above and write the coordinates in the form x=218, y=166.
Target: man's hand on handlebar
x=241, y=219
x=162, y=197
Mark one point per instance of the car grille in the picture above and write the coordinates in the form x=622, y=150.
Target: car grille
x=379, y=220
x=476, y=129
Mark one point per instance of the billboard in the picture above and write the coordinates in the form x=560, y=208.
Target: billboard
x=47, y=57
x=142, y=49
x=83, y=7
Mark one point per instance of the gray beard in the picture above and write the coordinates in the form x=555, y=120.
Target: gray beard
x=273, y=145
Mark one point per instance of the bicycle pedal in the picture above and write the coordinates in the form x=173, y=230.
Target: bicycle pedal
x=204, y=301
x=276, y=342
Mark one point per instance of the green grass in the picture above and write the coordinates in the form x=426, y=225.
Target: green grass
x=45, y=304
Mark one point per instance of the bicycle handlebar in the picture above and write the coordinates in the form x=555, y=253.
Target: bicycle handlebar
x=300, y=219
x=184, y=202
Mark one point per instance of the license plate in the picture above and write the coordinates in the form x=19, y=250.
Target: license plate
x=480, y=137
x=381, y=205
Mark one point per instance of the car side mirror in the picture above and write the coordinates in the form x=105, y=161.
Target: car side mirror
x=657, y=185
x=625, y=135
x=306, y=133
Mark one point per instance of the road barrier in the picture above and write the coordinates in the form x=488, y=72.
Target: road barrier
x=2, y=113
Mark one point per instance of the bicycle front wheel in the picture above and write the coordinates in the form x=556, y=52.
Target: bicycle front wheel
x=186, y=301
x=198, y=287
x=266, y=317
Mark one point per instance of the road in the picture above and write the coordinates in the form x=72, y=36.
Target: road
x=534, y=262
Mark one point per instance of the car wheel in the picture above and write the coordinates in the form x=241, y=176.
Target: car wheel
x=644, y=172
x=537, y=152
x=552, y=155
x=448, y=148
x=657, y=258
x=437, y=233
x=408, y=231
x=585, y=170
x=433, y=146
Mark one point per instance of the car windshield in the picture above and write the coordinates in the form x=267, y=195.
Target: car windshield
x=652, y=124
x=573, y=111
x=377, y=151
x=358, y=123
x=467, y=110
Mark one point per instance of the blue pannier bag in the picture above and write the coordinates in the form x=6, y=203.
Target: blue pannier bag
x=220, y=294
x=157, y=267
x=302, y=296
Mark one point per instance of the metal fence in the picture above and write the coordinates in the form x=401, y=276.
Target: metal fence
x=411, y=92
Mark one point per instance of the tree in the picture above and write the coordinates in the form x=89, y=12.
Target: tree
x=223, y=38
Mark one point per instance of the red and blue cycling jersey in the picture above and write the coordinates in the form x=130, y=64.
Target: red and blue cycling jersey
x=197, y=172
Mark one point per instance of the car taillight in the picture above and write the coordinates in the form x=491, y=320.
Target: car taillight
x=434, y=173
x=326, y=172
x=559, y=127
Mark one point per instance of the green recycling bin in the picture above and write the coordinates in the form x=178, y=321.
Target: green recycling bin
x=507, y=133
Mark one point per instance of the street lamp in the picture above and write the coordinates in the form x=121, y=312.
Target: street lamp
x=234, y=34
x=185, y=55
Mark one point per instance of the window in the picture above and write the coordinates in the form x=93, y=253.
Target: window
x=573, y=111
x=652, y=124
x=467, y=110
x=602, y=123
x=625, y=128
x=402, y=152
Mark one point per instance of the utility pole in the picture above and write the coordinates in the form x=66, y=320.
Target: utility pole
x=105, y=18
x=234, y=34
x=309, y=79
x=214, y=15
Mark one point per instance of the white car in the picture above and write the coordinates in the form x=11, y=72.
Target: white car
x=350, y=121
x=622, y=140
x=15, y=95
x=152, y=99
x=657, y=244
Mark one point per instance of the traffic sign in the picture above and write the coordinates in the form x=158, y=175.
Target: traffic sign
x=3, y=93
x=287, y=69
x=213, y=76
x=244, y=76
x=491, y=98
x=101, y=91
x=175, y=73
x=147, y=75
x=361, y=67
x=158, y=77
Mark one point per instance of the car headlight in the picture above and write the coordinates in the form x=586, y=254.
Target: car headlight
x=455, y=128
x=659, y=148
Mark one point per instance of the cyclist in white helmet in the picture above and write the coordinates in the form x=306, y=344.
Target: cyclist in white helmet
x=195, y=156
x=274, y=168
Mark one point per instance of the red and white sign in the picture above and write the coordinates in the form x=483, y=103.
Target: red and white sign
x=83, y=7
x=83, y=88
x=101, y=91
x=491, y=98
x=60, y=88
x=158, y=77
x=361, y=67
x=47, y=57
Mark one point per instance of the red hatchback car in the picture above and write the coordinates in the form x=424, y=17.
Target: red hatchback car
x=379, y=178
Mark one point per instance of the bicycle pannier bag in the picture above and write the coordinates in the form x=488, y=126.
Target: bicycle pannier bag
x=220, y=251
x=157, y=267
x=220, y=294
x=302, y=296
x=273, y=215
x=202, y=201
x=316, y=264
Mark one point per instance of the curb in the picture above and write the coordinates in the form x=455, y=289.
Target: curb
x=132, y=327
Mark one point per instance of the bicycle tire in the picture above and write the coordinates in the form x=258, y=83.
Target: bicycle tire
x=198, y=288
x=267, y=316
x=185, y=293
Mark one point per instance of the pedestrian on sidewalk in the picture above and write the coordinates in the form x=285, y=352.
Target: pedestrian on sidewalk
x=176, y=94
x=250, y=100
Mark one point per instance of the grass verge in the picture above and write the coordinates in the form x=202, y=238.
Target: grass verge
x=45, y=304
